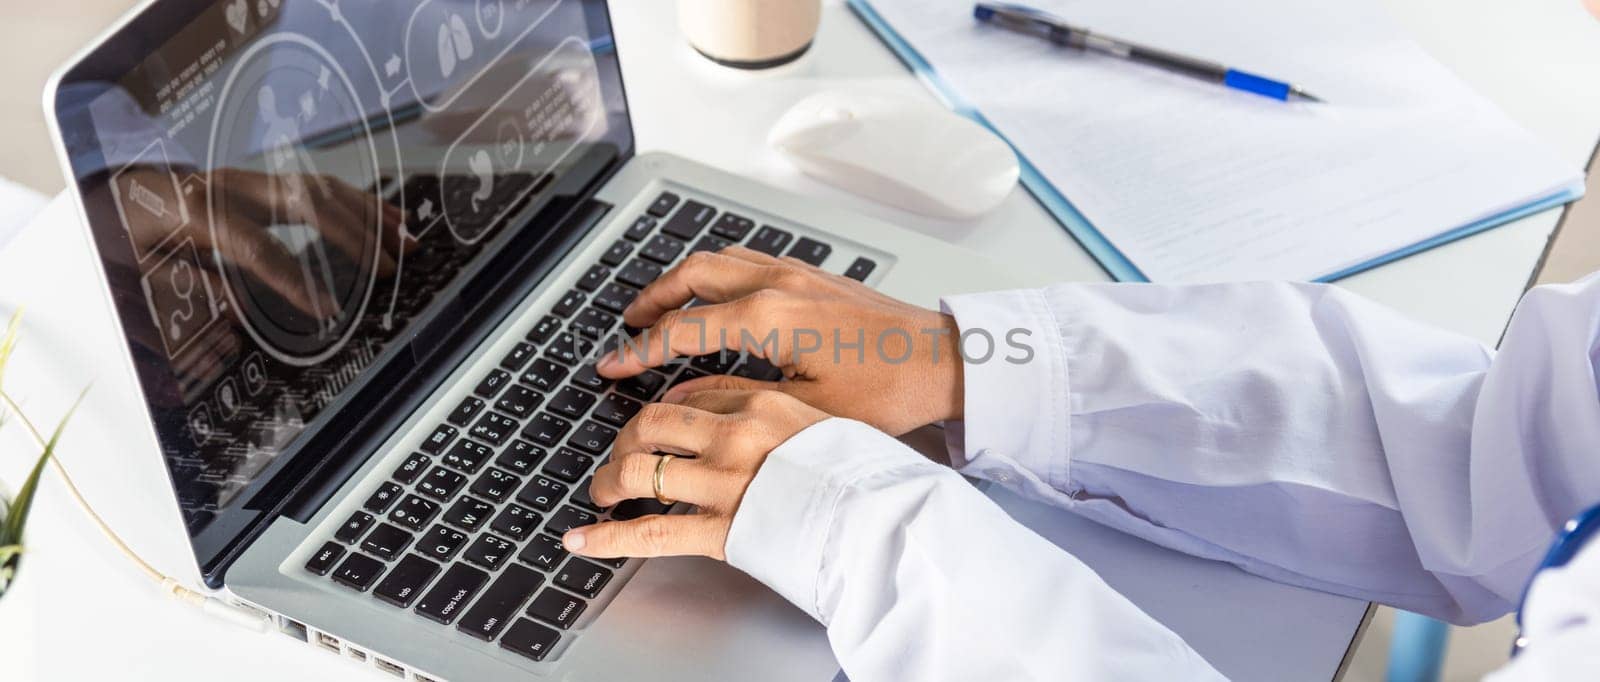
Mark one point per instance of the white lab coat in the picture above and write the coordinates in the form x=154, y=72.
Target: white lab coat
x=1297, y=431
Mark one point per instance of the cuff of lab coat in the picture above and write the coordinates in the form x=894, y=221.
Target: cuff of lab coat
x=1015, y=400
x=781, y=529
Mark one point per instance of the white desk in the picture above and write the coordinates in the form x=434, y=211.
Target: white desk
x=1537, y=59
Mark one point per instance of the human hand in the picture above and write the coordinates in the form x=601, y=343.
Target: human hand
x=720, y=439
x=843, y=347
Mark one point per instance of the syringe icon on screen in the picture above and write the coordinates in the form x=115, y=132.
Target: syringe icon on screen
x=147, y=199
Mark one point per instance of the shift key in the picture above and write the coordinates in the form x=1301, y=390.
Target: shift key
x=500, y=602
x=451, y=594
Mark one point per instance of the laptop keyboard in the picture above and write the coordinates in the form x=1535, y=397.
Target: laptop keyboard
x=465, y=531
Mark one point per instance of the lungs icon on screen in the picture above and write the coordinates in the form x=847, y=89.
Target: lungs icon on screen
x=455, y=44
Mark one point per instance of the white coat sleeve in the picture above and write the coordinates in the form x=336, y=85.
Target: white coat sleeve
x=1295, y=430
x=918, y=576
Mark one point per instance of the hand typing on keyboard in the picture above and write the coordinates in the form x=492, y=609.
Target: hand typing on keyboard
x=722, y=438
x=844, y=348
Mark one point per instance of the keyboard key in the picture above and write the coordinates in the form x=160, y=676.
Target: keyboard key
x=662, y=205
x=441, y=543
x=617, y=253
x=588, y=378
x=571, y=402
x=643, y=386
x=640, y=229
x=440, y=437
x=496, y=485
x=568, y=518
x=451, y=594
x=546, y=429
x=733, y=227
x=358, y=572
x=616, y=409
x=861, y=269
x=521, y=457
x=662, y=249
x=770, y=240
x=544, y=375
x=687, y=375
x=582, y=577
x=489, y=552
x=592, y=437
x=639, y=273
x=720, y=362
x=758, y=369
x=627, y=510
x=410, y=469
x=498, y=605
x=689, y=220
x=544, y=552
x=592, y=323
x=406, y=581
x=595, y=276
x=544, y=330
x=516, y=522
x=323, y=560
x=811, y=251
x=414, y=512
x=491, y=384
x=569, y=304
x=519, y=402
x=494, y=428
x=710, y=243
x=353, y=527
x=556, y=608
x=530, y=639
x=463, y=414
x=518, y=357
x=542, y=493
x=387, y=541
x=580, y=496
x=615, y=297
x=466, y=456
x=569, y=349
x=441, y=484
x=383, y=497
x=568, y=465
x=468, y=514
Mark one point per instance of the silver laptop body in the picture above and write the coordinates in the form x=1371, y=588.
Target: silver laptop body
x=362, y=472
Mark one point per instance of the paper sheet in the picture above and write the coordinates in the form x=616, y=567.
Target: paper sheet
x=1195, y=182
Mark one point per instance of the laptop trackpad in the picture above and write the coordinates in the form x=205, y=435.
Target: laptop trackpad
x=683, y=618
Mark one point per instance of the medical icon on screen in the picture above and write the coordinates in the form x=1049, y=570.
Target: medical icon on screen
x=180, y=298
x=482, y=168
x=455, y=44
x=149, y=199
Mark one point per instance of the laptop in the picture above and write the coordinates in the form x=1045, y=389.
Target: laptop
x=363, y=253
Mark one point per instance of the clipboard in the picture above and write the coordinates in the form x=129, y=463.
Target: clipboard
x=1110, y=258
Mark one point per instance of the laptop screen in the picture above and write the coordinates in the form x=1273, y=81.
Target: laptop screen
x=284, y=192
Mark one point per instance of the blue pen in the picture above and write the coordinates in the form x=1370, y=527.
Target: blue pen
x=1044, y=25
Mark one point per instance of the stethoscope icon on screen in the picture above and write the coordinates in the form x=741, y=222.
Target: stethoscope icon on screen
x=183, y=283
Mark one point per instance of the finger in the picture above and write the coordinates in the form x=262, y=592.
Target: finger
x=634, y=476
x=707, y=276
x=680, y=333
x=667, y=428
x=749, y=255
x=651, y=536
x=680, y=393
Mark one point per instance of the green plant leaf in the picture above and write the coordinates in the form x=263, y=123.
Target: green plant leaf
x=11, y=530
x=8, y=342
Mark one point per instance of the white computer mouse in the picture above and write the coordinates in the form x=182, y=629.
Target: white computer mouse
x=903, y=152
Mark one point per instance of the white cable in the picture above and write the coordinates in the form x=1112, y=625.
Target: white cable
x=170, y=586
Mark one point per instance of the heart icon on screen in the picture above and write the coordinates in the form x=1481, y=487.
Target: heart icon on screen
x=237, y=13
